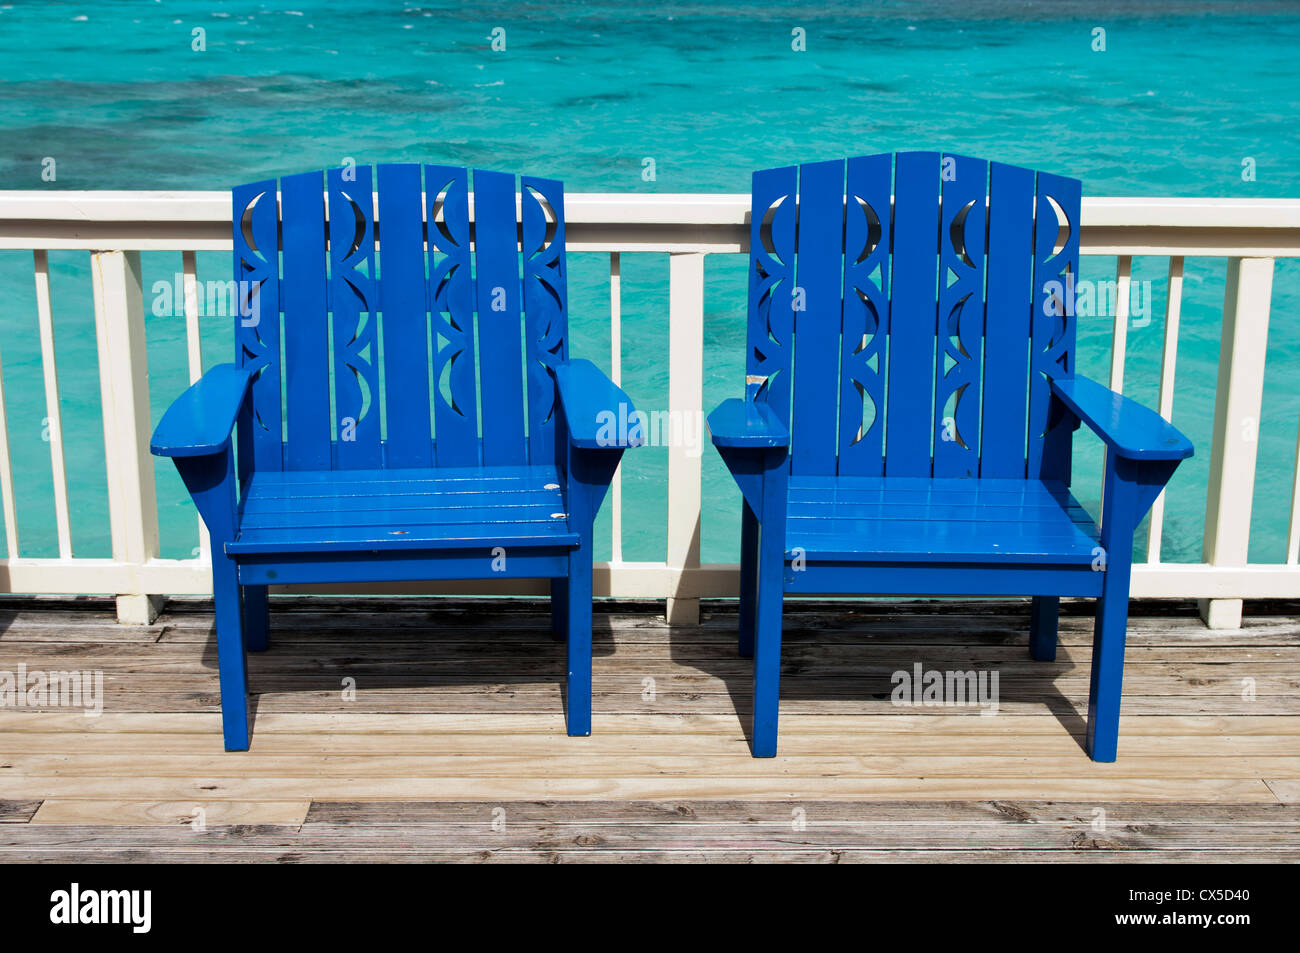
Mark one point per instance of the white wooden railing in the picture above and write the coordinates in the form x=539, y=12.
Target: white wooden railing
x=116, y=226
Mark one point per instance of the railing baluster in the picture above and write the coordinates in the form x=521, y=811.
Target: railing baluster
x=1293, y=532
x=685, y=404
x=124, y=391
x=1119, y=347
x=1238, y=398
x=616, y=375
x=7, y=478
x=193, y=342
x=53, y=415
x=1168, y=358
x=1119, y=343
x=194, y=350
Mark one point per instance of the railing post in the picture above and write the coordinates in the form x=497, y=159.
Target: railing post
x=124, y=393
x=685, y=409
x=1238, y=399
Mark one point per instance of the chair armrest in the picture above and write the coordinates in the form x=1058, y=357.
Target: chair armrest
x=1126, y=427
x=199, y=421
x=739, y=422
x=597, y=413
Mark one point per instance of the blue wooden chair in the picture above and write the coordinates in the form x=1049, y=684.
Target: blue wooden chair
x=404, y=403
x=910, y=404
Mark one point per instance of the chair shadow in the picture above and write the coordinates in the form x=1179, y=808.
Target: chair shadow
x=443, y=646
x=811, y=630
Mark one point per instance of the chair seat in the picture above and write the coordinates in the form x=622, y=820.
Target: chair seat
x=438, y=508
x=925, y=520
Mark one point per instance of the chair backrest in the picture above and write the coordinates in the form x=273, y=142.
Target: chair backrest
x=906, y=314
x=407, y=341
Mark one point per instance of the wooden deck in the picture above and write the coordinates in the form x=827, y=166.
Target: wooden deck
x=453, y=746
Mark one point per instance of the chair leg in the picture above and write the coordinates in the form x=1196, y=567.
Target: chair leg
x=767, y=653
x=1042, y=628
x=230, y=654
x=1106, y=682
x=578, y=610
x=560, y=608
x=748, y=577
x=257, y=619
x=1124, y=503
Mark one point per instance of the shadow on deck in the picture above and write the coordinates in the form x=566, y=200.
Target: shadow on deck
x=422, y=729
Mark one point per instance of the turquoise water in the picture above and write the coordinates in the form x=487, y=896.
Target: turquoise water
x=115, y=94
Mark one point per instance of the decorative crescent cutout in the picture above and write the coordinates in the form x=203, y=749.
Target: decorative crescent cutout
x=437, y=219
x=1063, y=226
x=552, y=220
x=874, y=229
x=246, y=223
x=359, y=229
x=957, y=233
x=765, y=229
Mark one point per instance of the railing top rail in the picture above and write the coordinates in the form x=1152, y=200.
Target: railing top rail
x=613, y=221
x=666, y=208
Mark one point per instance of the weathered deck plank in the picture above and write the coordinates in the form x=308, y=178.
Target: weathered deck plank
x=128, y=813
x=508, y=788
x=836, y=831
